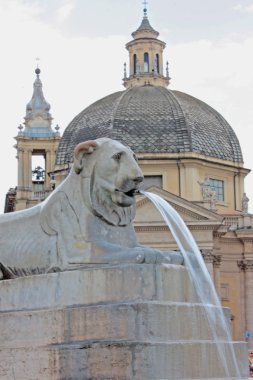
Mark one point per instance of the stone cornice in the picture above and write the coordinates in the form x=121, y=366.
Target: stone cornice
x=245, y=234
x=191, y=156
x=220, y=232
x=246, y=239
x=199, y=227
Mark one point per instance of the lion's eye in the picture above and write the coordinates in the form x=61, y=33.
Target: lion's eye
x=117, y=156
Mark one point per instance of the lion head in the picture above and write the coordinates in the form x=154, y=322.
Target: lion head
x=111, y=175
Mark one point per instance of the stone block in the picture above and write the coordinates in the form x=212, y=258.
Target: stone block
x=149, y=321
x=118, y=360
x=119, y=322
x=96, y=285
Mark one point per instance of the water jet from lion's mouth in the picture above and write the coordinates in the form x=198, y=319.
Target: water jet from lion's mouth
x=201, y=280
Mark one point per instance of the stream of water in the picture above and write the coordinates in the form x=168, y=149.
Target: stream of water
x=202, y=282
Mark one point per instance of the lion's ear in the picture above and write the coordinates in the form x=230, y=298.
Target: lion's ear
x=81, y=149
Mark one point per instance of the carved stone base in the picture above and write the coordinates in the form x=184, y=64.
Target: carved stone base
x=119, y=322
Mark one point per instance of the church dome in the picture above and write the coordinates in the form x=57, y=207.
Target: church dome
x=147, y=116
x=153, y=119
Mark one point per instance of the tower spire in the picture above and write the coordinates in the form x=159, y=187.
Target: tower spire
x=37, y=110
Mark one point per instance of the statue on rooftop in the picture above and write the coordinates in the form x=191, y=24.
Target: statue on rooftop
x=245, y=204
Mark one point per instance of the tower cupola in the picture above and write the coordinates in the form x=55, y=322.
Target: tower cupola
x=36, y=146
x=146, y=57
x=38, y=119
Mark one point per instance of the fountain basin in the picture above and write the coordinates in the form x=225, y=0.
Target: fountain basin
x=108, y=322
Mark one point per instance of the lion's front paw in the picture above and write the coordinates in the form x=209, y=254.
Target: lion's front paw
x=54, y=269
x=157, y=257
x=140, y=258
x=176, y=258
x=152, y=256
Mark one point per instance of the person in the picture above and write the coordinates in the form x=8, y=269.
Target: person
x=250, y=353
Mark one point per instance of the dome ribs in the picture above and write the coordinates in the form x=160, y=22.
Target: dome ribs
x=152, y=119
x=147, y=122
x=210, y=133
x=93, y=122
x=183, y=135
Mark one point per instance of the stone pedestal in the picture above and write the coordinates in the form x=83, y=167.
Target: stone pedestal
x=120, y=322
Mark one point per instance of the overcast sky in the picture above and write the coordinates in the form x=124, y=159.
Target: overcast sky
x=81, y=46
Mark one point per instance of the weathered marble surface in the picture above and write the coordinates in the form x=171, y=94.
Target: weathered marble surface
x=116, y=322
x=87, y=219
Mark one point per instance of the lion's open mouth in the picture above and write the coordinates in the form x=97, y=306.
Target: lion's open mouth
x=125, y=198
x=130, y=193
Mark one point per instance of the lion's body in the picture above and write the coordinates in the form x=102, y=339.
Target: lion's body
x=86, y=220
x=67, y=229
x=23, y=242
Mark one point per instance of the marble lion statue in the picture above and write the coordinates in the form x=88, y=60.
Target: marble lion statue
x=86, y=220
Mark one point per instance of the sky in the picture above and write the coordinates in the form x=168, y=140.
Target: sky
x=81, y=49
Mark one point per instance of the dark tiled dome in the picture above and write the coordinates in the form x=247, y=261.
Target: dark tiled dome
x=153, y=119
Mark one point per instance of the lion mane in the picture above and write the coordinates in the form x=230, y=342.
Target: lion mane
x=102, y=202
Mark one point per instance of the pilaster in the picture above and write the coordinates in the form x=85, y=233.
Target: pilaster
x=207, y=255
x=20, y=157
x=213, y=264
x=217, y=260
x=247, y=267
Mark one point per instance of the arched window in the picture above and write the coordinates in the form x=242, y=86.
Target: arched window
x=38, y=166
x=146, y=63
x=135, y=64
x=157, y=63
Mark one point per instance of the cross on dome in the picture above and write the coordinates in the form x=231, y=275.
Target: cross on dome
x=145, y=9
x=37, y=70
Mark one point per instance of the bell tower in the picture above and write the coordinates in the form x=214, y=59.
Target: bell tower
x=36, y=146
x=146, y=57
